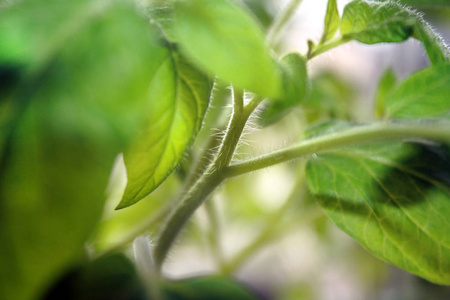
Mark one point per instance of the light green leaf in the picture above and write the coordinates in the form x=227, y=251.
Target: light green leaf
x=295, y=85
x=332, y=22
x=84, y=68
x=223, y=39
x=372, y=22
x=426, y=94
x=119, y=227
x=387, y=83
x=179, y=97
x=393, y=199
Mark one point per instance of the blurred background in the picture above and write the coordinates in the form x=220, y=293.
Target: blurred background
x=269, y=232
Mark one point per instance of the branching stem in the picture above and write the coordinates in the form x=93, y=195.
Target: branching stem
x=206, y=183
x=359, y=135
x=321, y=48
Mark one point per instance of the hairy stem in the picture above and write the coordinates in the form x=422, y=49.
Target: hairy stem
x=205, y=185
x=359, y=135
x=178, y=218
x=238, y=102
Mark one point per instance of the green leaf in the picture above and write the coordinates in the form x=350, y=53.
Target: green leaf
x=207, y=287
x=260, y=9
x=423, y=95
x=223, y=39
x=387, y=83
x=162, y=13
x=372, y=22
x=118, y=227
x=295, y=85
x=437, y=51
x=102, y=279
x=179, y=97
x=425, y=3
x=84, y=71
x=393, y=199
x=332, y=22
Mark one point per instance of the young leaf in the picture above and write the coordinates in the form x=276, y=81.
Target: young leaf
x=423, y=95
x=295, y=86
x=223, y=39
x=179, y=96
x=84, y=71
x=332, y=22
x=393, y=199
x=372, y=22
x=387, y=83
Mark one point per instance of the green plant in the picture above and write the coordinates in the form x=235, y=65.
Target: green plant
x=82, y=81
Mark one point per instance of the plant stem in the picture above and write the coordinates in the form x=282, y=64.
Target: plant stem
x=281, y=21
x=238, y=102
x=205, y=158
x=205, y=185
x=359, y=135
x=321, y=48
x=213, y=141
x=177, y=219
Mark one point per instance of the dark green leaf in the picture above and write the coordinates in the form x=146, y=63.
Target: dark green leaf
x=372, y=22
x=211, y=288
x=392, y=198
x=107, y=278
x=179, y=96
x=426, y=94
x=85, y=67
x=332, y=21
x=260, y=8
x=295, y=85
x=387, y=83
x=114, y=277
x=223, y=39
